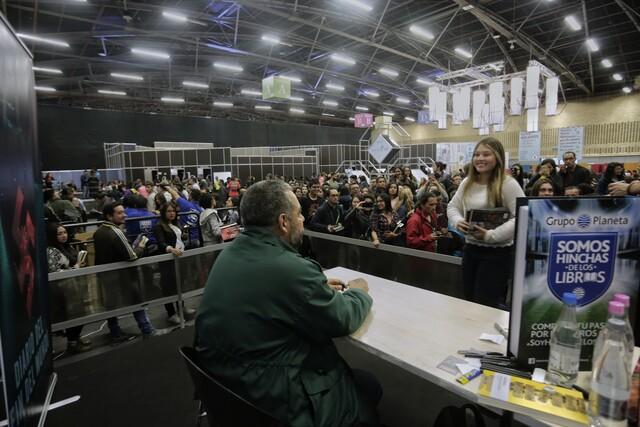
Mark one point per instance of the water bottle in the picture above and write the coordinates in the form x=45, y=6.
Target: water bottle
x=564, y=346
x=628, y=330
x=617, y=310
x=611, y=379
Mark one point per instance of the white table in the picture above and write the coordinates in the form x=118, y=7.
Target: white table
x=417, y=329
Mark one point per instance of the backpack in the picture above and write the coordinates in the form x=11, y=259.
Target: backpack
x=464, y=416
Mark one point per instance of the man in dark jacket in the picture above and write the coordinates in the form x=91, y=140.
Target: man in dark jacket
x=119, y=287
x=328, y=218
x=267, y=318
x=573, y=174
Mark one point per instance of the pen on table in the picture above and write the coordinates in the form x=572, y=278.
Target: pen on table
x=500, y=329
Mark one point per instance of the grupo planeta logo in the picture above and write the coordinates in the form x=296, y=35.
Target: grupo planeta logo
x=584, y=221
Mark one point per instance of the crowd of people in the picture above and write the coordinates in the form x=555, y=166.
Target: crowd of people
x=172, y=215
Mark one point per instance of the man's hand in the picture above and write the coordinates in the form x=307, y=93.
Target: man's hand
x=359, y=284
x=618, y=188
x=336, y=284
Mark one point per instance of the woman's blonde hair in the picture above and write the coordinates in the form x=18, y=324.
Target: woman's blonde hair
x=406, y=198
x=494, y=186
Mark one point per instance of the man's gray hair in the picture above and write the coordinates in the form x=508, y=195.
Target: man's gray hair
x=263, y=203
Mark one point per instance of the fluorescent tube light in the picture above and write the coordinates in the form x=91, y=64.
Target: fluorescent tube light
x=44, y=88
x=388, y=113
x=343, y=59
x=252, y=92
x=328, y=115
x=112, y=92
x=467, y=7
x=271, y=39
x=47, y=70
x=617, y=77
x=228, y=67
x=424, y=82
x=359, y=4
x=175, y=16
x=296, y=98
x=402, y=100
x=606, y=63
x=195, y=84
x=151, y=53
x=172, y=99
x=222, y=104
x=460, y=51
x=352, y=119
x=52, y=42
x=292, y=78
x=296, y=110
x=330, y=103
x=361, y=108
x=263, y=107
x=573, y=23
x=418, y=31
x=127, y=76
x=626, y=89
x=371, y=93
x=592, y=45
x=334, y=86
x=410, y=119
x=389, y=72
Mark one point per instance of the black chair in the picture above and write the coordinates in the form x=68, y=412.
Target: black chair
x=224, y=407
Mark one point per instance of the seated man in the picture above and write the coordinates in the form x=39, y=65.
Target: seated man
x=267, y=318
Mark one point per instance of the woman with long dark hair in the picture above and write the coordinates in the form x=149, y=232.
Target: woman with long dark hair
x=488, y=253
x=613, y=173
x=384, y=222
x=547, y=169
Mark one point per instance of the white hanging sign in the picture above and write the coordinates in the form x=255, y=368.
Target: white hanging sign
x=529, y=147
x=516, y=96
x=551, y=97
x=571, y=139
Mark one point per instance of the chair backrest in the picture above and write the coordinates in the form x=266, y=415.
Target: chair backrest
x=224, y=407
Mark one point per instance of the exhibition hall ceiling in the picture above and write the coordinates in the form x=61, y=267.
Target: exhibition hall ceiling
x=343, y=57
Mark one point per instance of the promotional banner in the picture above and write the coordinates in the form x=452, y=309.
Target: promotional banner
x=363, y=120
x=25, y=345
x=587, y=246
x=571, y=139
x=529, y=147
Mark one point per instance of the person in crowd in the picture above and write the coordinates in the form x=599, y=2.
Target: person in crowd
x=547, y=169
x=234, y=187
x=406, y=205
x=384, y=222
x=396, y=176
x=572, y=191
x=111, y=245
x=422, y=226
x=192, y=219
x=354, y=188
x=571, y=173
x=586, y=189
x=63, y=256
x=432, y=185
x=298, y=192
x=363, y=182
x=517, y=174
x=333, y=182
x=210, y=221
x=543, y=188
x=381, y=185
x=170, y=240
x=48, y=180
x=289, y=368
x=408, y=180
x=93, y=183
x=312, y=202
x=329, y=217
x=233, y=216
x=364, y=191
x=613, y=173
x=84, y=178
x=394, y=196
x=440, y=173
x=49, y=195
x=63, y=207
x=441, y=210
x=140, y=220
x=345, y=198
x=305, y=191
x=487, y=252
x=357, y=220
x=624, y=189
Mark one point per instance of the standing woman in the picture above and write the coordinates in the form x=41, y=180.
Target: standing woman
x=488, y=253
x=170, y=241
x=392, y=191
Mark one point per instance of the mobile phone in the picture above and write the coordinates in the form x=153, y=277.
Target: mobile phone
x=398, y=226
x=82, y=257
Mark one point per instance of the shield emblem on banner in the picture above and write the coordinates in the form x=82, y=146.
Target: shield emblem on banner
x=581, y=263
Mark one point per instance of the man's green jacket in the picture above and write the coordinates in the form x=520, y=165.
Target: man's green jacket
x=264, y=329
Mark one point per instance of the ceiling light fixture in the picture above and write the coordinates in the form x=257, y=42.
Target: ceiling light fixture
x=388, y=72
x=424, y=82
x=626, y=89
x=606, y=63
x=47, y=70
x=343, y=59
x=112, y=92
x=334, y=86
x=252, y=92
x=195, y=84
x=151, y=53
x=418, y=31
x=44, y=88
x=592, y=45
x=228, y=67
x=352, y=119
x=127, y=76
x=617, y=77
x=222, y=104
x=388, y=113
x=294, y=79
x=271, y=39
x=172, y=99
x=371, y=93
x=462, y=52
x=573, y=23
x=296, y=110
x=410, y=119
x=328, y=115
x=175, y=16
x=263, y=107
x=296, y=98
x=359, y=4
x=402, y=100
x=330, y=103
x=361, y=108
x=52, y=42
x=467, y=7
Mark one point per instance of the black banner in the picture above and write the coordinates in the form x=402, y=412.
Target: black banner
x=25, y=345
